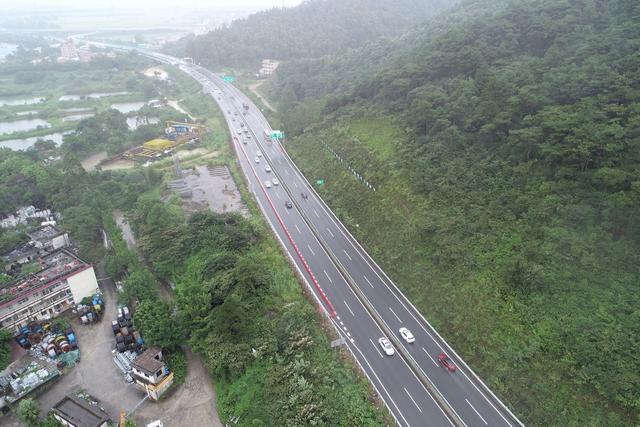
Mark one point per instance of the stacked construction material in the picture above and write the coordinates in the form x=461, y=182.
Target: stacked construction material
x=127, y=338
x=90, y=313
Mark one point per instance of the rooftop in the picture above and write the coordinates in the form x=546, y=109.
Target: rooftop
x=149, y=362
x=19, y=252
x=46, y=232
x=79, y=412
x=55, y=266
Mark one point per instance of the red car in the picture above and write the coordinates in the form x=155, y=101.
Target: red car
x=446, y=362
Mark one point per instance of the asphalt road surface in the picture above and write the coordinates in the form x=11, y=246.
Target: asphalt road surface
x=361, y=301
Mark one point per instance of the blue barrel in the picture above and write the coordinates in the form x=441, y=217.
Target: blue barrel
x=71, y=338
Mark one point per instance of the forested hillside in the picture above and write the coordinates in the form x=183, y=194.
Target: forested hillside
x=504, y=145
x=312, y=29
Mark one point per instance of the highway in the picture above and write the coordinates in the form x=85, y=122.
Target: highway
x=356, y=295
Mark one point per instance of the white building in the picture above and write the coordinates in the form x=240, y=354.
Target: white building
x=269, y=66
x=150, y=374
x=23, y=214
x=63, y=281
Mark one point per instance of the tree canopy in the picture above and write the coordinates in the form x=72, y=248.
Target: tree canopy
x=311, y=29
x=503, y=141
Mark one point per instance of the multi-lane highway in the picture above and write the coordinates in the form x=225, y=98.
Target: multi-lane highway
x=358, y=297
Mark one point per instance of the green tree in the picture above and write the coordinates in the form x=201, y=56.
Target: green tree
x=5, y=348
x=28, y=412
x=158, y=324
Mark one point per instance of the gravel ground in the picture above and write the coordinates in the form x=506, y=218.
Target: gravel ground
x=192, y=404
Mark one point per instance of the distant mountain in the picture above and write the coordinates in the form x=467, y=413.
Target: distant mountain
x=503, y=142
x=311, y=29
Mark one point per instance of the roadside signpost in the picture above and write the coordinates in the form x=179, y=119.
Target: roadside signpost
x=277, y=134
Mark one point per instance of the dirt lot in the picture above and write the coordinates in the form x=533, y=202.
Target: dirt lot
x=213, y=188
x=192, y=404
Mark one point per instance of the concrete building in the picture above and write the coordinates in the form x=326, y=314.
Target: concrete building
x=75, y=412
x=84, y=53
x=269, y=66
x=22, y=254
x=64, y=280
x=68, y=52
x=150, y=373
x=48, y=237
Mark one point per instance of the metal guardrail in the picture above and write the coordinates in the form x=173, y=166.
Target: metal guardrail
x=424, y=379
x=381, y=322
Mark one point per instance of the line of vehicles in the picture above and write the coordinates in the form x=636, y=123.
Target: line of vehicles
x=408, y=337
x=439, y=357
x=385, y=344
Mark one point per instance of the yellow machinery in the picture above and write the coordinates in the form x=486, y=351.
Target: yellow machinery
x=159, y=144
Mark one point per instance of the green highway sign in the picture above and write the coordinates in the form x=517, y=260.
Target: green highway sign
x=320, y=182
x=229, y=79
x=277, y=134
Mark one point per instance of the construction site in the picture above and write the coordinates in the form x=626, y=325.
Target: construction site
x=176, y=134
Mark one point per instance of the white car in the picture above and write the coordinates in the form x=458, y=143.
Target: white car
x=275, y=181
x=386, y=346
x=257, y=160
x=259, y=153
x=267, y=184
x=267, y=168
x=406, y=335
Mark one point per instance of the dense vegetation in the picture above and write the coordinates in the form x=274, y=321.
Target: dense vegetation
x=503, y=143
x=312, y=29
x=5, y=349
x=240, y=307
x=252, y=298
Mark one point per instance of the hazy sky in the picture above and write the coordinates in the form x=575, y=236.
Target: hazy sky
x=25, y=5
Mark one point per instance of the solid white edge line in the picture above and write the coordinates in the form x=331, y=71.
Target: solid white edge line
x=379, y=351
x=362, y=252
x=476, y=411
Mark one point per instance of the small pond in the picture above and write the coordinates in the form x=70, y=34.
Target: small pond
x=7, y=49
x=20, y=101
x=22, y=125
x=95, y=95
x=24, y=143
x=127, y=107
x=76, y=117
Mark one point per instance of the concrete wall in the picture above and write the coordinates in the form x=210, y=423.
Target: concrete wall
x=60, y=241
x=83, y=284
x=68, y=424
